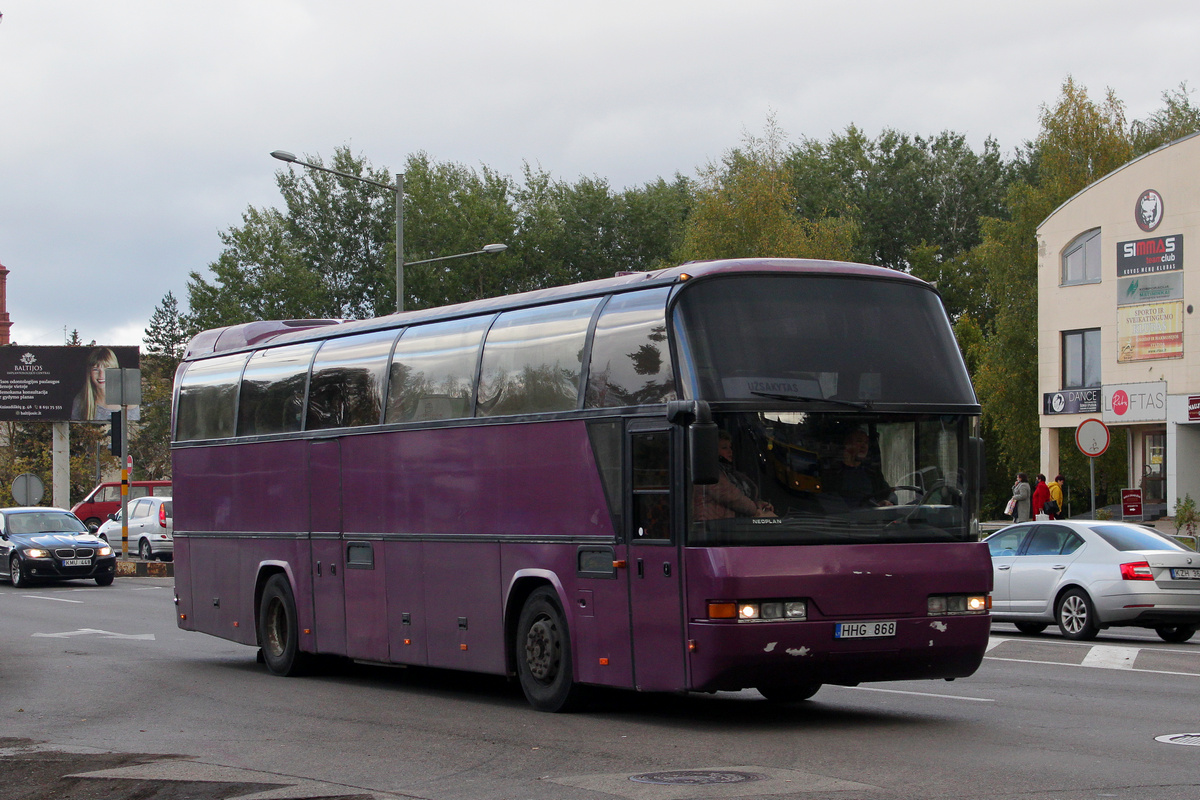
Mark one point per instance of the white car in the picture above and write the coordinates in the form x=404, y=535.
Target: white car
x=1090, y=575
x=151, y=528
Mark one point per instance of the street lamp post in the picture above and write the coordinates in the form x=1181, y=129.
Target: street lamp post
x=398, y=190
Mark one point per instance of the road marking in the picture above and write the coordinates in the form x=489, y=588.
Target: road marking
x=919, y=694
x=58, y=599
x=94, y=632
x=1109, y=657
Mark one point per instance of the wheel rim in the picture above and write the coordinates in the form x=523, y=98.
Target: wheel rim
x=1073, y=614
x=543, y=649
x=275, y=640
x=14, y=568
x=146, y=554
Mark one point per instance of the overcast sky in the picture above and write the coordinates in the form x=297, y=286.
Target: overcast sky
x=133, y=132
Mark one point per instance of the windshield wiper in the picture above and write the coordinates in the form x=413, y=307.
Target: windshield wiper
x=800, y=398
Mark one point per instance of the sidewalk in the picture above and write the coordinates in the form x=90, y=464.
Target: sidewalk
x=133, y=567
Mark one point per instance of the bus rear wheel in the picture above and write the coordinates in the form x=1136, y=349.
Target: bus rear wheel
x=278, y=630
x=789, y=693
x=543, y=654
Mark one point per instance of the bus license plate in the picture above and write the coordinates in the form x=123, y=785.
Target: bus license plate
x=864, y=630
x=1186, y=574
x=77, y=562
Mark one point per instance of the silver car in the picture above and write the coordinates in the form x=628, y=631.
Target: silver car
x=151, y=528
x=1090, y=575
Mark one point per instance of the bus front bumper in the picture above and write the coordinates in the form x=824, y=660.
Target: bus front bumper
x=728, y=656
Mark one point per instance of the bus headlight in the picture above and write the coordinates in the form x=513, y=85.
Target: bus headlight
x=957, y=604
x=759, y=610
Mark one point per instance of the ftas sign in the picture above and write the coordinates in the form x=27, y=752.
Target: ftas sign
x=1134, y=402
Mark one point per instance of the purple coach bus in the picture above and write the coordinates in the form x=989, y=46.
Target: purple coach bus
x=732, y=474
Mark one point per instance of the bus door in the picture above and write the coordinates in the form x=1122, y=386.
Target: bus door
x=325, y=532
x=656, y=609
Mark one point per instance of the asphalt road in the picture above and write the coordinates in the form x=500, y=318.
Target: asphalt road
x=103, y=697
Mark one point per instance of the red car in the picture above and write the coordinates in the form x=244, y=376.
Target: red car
x=106, y=498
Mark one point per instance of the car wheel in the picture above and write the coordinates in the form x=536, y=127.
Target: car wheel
x=1030, y=627
x=789, y=693
x=16, y=573
x=144, y=551
x=278, y=630
x=1076, y=616
x=104, y=580
x=543, y=651
x=1175, y=634
x=93, y=524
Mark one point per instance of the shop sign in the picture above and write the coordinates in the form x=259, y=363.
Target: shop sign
x=1159, y=288
x=1146, y=256
x=1131, y=504
x=1134, y=402
x=1150, y=331
x=1194, y=408
x=1149, y=210
x=1071, y=401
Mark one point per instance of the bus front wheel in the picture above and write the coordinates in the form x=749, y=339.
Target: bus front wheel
x=543, y=653
x=278, y=631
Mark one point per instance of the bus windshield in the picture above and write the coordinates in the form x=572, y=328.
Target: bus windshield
x=802, y=478
x=828, y=339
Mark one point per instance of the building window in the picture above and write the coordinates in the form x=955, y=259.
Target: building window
x=1081, y=259
x=1081, y=359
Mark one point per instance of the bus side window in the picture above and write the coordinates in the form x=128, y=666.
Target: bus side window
x=651, y=486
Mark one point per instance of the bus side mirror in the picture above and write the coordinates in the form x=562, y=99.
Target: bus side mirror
x=702, y=439
x=703, y=444
x=978, y=462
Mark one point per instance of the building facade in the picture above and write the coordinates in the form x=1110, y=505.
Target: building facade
x=1118, y=338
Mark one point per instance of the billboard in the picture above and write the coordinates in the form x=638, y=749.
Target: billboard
x=1150, y=331
x=56, y=384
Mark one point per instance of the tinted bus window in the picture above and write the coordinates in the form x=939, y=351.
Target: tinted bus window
x=533, y=358
x=631, y=363
x=208, y=398
x=433, y=371
x=272, y=397
x=346, y=387
x=818, y=338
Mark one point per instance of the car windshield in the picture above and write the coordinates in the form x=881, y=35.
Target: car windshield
x=44, y=522
x=792, y=477
x=1131, y=537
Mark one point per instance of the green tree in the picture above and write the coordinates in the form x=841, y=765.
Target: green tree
x=746, y=206
x=1080, y=141
x=150, y=438
x=1176, y=119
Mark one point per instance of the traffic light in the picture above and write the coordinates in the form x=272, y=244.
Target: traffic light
x=114, y=434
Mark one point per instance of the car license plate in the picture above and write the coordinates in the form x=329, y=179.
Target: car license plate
x=77, y=562
x=864, y=630
x=1186, y=573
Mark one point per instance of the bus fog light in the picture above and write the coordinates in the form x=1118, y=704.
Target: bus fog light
x=771, y=610
x=956, y=603
x=748, y=611
x=795, y=609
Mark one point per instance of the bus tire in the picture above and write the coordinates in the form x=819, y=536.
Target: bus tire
x=543, y=654
x=789, y=693
x=278, y=630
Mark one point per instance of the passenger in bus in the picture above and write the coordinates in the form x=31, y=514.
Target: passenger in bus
x=733, y=495
x=854, y=478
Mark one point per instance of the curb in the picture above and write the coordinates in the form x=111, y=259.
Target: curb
x=145, y=569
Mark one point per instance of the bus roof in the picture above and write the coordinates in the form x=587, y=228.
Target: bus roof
x=252, y=334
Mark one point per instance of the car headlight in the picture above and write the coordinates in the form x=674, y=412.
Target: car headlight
x=104, y=550
x=37, y=552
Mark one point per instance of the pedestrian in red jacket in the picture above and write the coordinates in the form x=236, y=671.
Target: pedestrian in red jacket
x=1041, y=495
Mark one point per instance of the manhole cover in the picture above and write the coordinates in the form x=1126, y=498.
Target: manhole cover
x=696, y=777
x=1179, y=738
